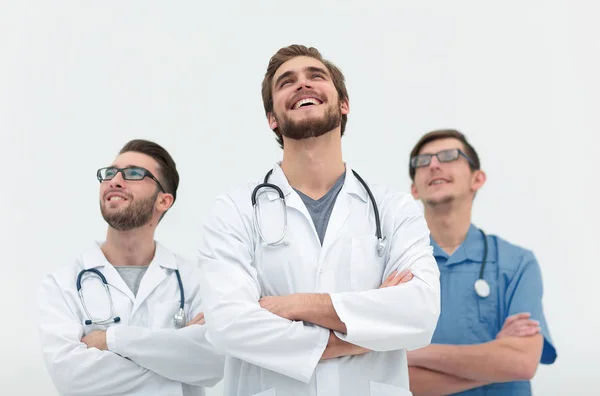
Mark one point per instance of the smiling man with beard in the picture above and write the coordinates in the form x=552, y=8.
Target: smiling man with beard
x=131, y=337
x=321, y=295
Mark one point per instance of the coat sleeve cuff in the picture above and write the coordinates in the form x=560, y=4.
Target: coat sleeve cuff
x=110, y=340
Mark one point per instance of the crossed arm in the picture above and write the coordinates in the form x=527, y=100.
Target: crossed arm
x=80, y=365
x=182, y=355
x=318, y=309
x=261, y=333
x=440, y=369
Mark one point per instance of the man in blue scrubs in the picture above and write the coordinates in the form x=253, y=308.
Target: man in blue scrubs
x=486, y=343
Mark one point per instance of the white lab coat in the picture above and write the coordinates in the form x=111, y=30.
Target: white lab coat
x=272, y=356
x=147, y=354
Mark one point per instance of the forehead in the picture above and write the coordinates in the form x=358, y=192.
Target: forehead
x=297, y=65
x=441, y=144
x=132, y=158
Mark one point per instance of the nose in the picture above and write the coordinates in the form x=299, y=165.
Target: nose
x=118, y=181
x=303, y=82
x=434, y=163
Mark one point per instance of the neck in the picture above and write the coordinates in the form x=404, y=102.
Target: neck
x=449, y=224
x=313, y=165
x=129, y=248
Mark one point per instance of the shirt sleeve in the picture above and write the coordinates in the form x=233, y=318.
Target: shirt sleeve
x=524, y=294
x=403, y=316
x=236, y=323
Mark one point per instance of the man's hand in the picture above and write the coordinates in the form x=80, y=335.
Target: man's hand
x=198, y=320
x=337, y=348
x=284, y=306
x=519, y=325
x=96, y=339
x=290, y=306
x=394, y=279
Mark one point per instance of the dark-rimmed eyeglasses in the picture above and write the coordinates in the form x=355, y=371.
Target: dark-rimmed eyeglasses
x=422, y=160
x=129, y=173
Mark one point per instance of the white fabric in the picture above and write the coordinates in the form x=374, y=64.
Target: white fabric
x=147, y=354
x=270, y=354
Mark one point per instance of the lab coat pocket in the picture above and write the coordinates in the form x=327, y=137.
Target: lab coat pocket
x=366, y=266
x=381, y=389
x=268, y=392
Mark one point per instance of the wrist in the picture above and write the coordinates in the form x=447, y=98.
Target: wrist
x=299, y=307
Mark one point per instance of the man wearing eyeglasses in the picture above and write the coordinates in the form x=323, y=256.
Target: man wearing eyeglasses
x=115, y=320
x=492, y=332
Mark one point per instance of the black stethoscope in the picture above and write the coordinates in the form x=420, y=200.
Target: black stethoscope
x=266, y=184
x=180, y=316
x=482, y=287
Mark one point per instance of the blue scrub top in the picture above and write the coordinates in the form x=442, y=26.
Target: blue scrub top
x=516, y=286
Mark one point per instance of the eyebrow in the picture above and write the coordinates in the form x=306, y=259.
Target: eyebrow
x=126, y=166
x=313, y=69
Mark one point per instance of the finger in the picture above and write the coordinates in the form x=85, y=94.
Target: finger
x=401, y=279
x=522, y=328
x=527, y=326
x=400, y=275
x=199, y=316
x=517, y=324
x=512, y=318
x=202, y=321
x=529, y=331
x=406, y=278
x=390, y=277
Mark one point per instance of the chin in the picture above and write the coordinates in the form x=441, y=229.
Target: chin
x=440, y=200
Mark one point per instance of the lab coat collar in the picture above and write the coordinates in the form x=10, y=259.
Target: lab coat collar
x=94, y=257
x=351, y=184
x=471, y=249
x=155, y=274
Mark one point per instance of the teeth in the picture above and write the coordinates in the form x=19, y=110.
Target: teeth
x=305, y=101
x=438, y=182
x=116, y=198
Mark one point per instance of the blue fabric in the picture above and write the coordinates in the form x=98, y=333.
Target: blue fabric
x=516, y=286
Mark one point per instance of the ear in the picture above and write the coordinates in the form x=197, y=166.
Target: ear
x=345, y=106
x=413, y=190
x=164, y=202
x=272, y=121
x=478, y=180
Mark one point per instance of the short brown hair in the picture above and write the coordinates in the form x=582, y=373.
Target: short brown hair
x=285, y=54
x=168, y=175
x=444, y=134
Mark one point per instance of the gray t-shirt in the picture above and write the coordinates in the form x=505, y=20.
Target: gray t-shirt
x=132, y=275
x=320, y=209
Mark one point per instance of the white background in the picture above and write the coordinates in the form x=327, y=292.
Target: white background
x=520, y=79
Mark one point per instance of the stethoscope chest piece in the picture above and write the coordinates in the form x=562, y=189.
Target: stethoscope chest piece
x=180, y=319
x=482, y=288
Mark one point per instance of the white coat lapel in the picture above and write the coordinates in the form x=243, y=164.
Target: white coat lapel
x=158, y=270
x=94, y=258
x=341, y=209
x=292, y=199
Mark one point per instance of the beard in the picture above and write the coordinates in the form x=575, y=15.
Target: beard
x=440, y=201
x=136, y=215
x=311, y=127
